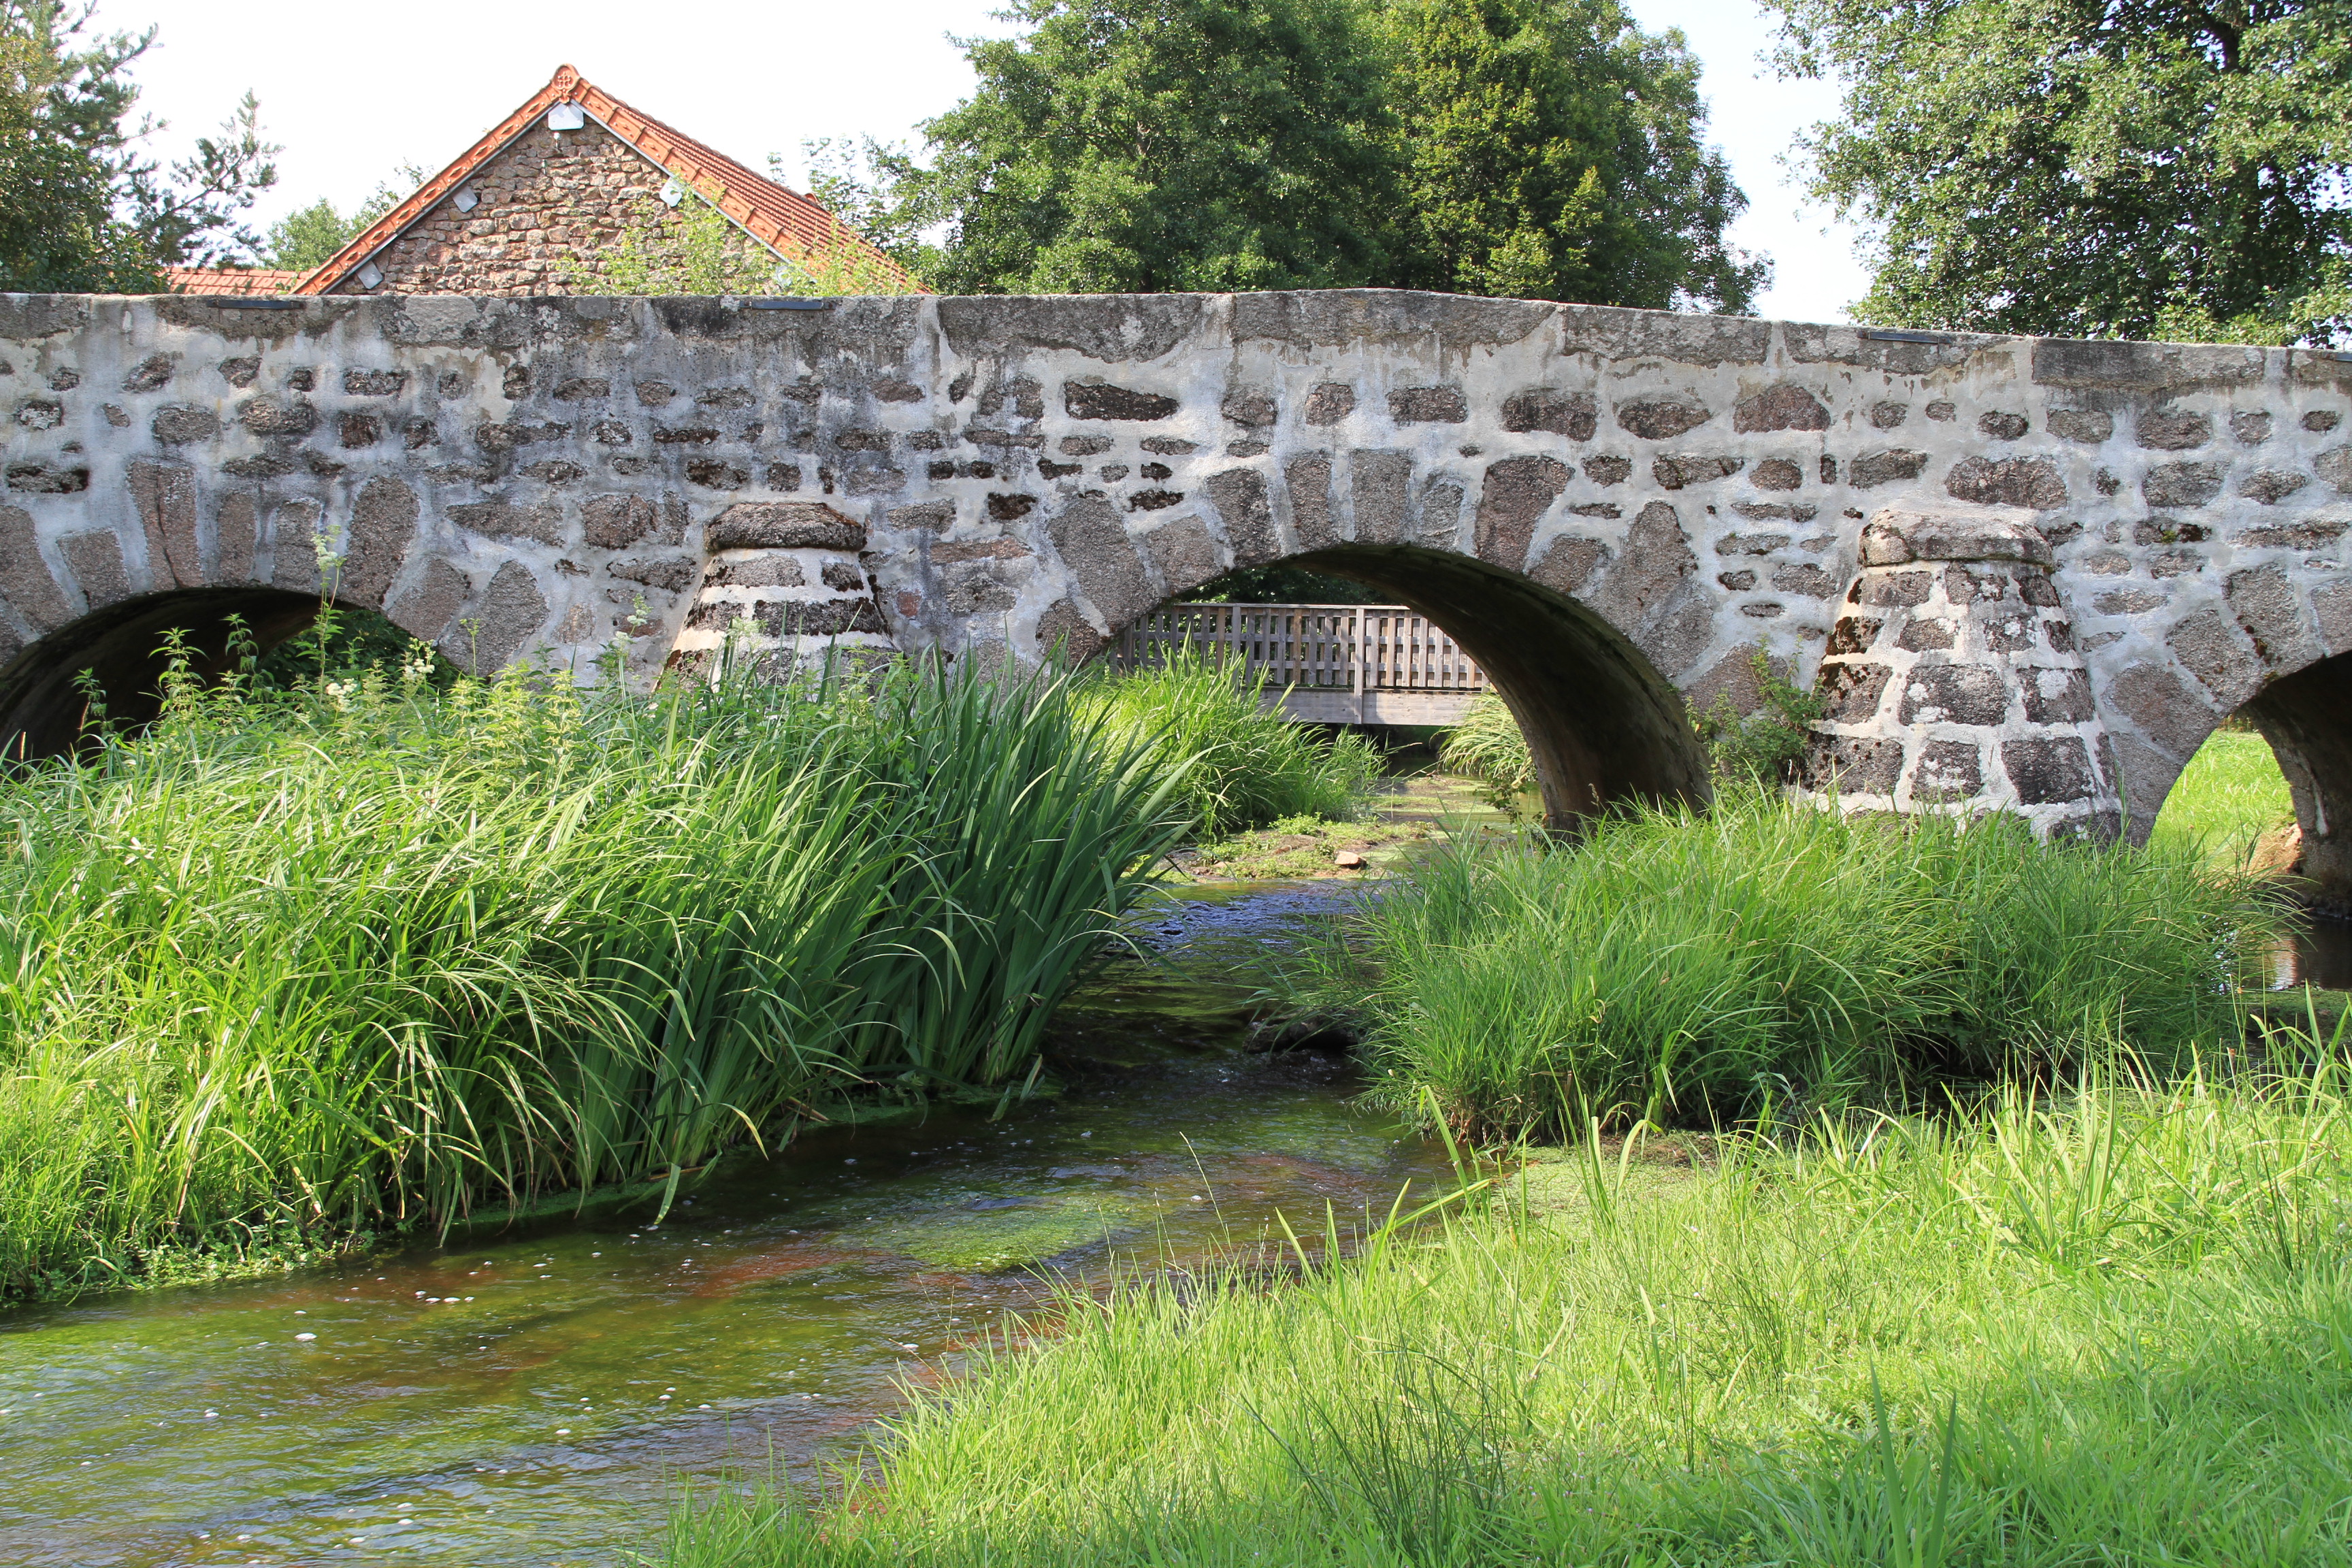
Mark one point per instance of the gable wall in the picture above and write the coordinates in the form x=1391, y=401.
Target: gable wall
x=554, y=206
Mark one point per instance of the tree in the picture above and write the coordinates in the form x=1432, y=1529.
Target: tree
x=309, y=236
x=2092, y=168
x=1145, y=145
x=80, y=206
x=1538, y=147
x=1552, y=150
x=57, y=227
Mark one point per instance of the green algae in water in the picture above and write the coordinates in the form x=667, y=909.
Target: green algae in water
x=991, y=1235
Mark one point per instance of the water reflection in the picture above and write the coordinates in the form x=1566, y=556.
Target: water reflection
x=2320, y=955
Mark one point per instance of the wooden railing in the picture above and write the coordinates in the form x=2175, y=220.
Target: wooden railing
x=1339, y=664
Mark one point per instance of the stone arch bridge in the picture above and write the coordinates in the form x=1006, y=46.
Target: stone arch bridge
x=2028, y=575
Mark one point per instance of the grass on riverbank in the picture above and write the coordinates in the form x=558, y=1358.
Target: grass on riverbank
x=372, y=954
x=2113, y=1326
x=1487, y=745
x=1708, y=969
x=1306, y=847
x=1246, y=769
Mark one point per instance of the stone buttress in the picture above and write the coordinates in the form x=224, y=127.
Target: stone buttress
x=1951, y=681
x=783, y=580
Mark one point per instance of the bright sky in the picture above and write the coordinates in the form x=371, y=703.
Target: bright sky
x=353, y=91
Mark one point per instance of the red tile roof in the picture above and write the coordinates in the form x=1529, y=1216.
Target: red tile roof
x=792, y=225
x=231, y=279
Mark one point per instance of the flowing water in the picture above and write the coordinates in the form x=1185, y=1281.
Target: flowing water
x=2320, y=954
x=538, y=1395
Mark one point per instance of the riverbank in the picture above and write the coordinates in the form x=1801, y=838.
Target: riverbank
x=1767, y=961
x=293, y=970
x=2011, y=1176
x=530, y=1395
x=2109, y=1322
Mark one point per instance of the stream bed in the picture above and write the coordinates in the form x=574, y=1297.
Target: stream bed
x=538, y=1396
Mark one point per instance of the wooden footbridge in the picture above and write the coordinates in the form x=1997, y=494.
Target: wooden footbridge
x=1325, y=664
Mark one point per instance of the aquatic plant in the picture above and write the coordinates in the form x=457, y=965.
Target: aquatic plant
x=373, y=953
x=1879, y=1341
x=1674, y=966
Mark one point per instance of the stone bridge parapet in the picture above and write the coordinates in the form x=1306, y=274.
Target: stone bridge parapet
x=2128, y=540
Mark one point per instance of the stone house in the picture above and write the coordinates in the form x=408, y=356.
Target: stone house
x=570, y=184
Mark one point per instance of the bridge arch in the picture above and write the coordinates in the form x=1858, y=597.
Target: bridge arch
x=1604, y=725
x=43, y=704
x=2306, y=717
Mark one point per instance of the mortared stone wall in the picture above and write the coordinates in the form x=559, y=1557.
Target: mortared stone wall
x=2028, y=575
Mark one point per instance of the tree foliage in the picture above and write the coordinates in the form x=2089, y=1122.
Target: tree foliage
x=1144, y=145
x=1550, y=149
x=1542, y=147
x=82, y=207
x=308, y=237
x=2092, y=168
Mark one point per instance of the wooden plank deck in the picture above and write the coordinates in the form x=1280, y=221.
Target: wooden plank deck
x=1329, y=664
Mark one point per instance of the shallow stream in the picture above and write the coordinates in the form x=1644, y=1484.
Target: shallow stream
x=538, y=1396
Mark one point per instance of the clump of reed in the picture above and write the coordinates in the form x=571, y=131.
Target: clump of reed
x=374, y=953
x=1487, y=745
x=1673, y=966
x=1247, y=767
x=2102, y=1324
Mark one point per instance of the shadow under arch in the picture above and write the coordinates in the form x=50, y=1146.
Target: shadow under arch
x=1603, y=726
x=41, y=703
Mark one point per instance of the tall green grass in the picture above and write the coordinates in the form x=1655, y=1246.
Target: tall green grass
x=378, y=954
x=2113, y=1325
x=1487, y=745
x=1670, y=966
x=1246, y=767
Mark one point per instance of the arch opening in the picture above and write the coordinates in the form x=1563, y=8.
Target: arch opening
x=1603, y=726
x=42, y=706
x=2239, y=790
x=2306, y=717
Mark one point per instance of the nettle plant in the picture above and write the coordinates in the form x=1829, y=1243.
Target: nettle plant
x=1764, y=744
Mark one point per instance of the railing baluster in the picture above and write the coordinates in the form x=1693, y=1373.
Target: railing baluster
x=1355, y=650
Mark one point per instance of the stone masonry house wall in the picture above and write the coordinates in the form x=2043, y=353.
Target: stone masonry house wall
x=551, y=212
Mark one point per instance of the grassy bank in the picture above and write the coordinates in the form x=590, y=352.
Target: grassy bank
x=1244, y=769
x=293, y=967
x=2229, y=794
x=1486, y=746
x=1766, y=958
x=2115, y=1326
